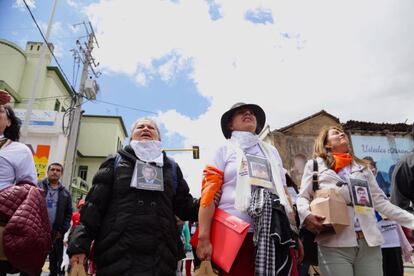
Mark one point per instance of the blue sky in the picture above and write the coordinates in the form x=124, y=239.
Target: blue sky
x=188, y=61
x=157, y=95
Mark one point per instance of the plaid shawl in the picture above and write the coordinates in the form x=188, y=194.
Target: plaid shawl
x=270, y=261
x=261, y=212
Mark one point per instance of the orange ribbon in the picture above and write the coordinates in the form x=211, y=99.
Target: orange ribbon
x=212, y=181
x=342, y=160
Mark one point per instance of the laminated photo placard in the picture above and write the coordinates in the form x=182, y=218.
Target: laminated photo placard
x=260, y=173
x=361, y=195
x=147, y=177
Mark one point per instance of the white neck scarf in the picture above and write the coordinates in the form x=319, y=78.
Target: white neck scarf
x=245, y=139
x=243, y=187
x=148, y=151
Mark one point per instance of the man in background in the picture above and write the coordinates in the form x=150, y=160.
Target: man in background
x=59, y=209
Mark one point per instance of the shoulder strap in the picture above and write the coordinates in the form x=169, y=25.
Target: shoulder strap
x=315, y=180
x=174, y=174
x=117, y=160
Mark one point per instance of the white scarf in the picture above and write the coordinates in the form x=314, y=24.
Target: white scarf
x=243, y=140
x=148, y=151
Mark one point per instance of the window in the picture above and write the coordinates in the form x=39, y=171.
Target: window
x=63, y=109
x=83, y=172
x=119, y=145
x=57, y=105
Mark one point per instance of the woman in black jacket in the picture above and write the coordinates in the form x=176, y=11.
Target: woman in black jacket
x=133, y=223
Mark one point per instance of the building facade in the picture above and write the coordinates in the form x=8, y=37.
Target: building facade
x=46, y=128
x=385, y=143
x=99, y=136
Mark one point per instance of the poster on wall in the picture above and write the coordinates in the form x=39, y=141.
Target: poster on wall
x=41, y=157
x=385, y=151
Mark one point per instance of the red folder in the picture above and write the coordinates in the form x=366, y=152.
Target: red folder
x=227, y=235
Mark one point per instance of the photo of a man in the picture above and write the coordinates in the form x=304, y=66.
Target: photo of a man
x=362, y=196
x=149, y=175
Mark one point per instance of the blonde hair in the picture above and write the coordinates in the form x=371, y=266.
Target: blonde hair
x=321, y=150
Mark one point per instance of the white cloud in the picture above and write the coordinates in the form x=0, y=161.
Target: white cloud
x=56, y=29
x=72, y=3
x=20, y=4
x=351, y=58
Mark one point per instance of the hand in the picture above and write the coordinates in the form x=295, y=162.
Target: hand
x=217, y=197
x=204, y=249
x=4, y=97
x=77, y=258
x=314, y=223
x=300, y=252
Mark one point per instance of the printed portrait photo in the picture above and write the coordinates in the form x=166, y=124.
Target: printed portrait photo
x=361, y=193
x=149, y=177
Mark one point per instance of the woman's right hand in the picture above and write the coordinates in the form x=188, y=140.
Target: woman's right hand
x=204, y=249
x=314, y=223
x=77, y=258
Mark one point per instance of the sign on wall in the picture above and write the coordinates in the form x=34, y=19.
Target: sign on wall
x=38, y=117
x=385, y=151
x=41, y=157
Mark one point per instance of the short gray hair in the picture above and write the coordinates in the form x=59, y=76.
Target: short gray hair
x=145, y=119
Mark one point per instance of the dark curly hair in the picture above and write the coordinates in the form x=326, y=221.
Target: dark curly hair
x=13, y=131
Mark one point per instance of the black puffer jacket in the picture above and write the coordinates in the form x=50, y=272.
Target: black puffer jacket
x=135, y=231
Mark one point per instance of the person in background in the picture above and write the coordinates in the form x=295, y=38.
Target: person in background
x=16, y=159
x=339, y=169
x=392, y=261
x=59, y=208
x=229, y=172
x=403, y=186
x=134, y=227
x=16, y=167
x=403, y=180
x=76, y=215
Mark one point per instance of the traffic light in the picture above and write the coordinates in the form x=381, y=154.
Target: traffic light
x=196, y=152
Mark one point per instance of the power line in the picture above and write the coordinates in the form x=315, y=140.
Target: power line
x=43, y=98
x=127, y=107
x=48, y=46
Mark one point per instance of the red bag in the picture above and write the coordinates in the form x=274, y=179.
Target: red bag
x=227, y=235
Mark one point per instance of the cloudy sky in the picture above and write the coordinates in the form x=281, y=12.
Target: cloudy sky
x=188, y=61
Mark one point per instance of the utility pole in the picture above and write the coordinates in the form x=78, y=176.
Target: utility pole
x=88, y=61
x=39, y=69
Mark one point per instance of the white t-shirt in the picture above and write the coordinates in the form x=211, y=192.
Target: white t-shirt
x=16, y=165
x=225, y=160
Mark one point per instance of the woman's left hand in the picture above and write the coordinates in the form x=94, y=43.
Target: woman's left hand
x=300, y=252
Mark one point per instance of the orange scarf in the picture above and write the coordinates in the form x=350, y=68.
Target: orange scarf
x=212, y=181
x=342, y=160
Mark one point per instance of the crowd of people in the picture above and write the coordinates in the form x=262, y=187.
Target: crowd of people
x=131, y=221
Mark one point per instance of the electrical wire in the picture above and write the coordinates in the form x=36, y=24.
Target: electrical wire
x=47, y=45
x=127, y=107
